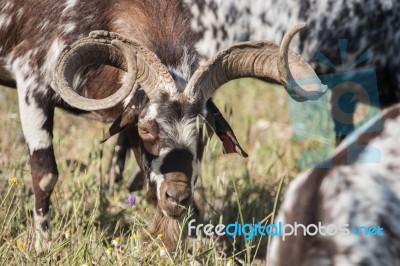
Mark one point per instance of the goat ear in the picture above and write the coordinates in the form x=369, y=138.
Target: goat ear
x=128, y=117
x=225, y=132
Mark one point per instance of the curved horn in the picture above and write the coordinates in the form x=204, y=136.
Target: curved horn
x=86, y=52
x=102, y=47
x=263, y=60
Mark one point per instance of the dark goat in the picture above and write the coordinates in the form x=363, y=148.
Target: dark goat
x=138, y=69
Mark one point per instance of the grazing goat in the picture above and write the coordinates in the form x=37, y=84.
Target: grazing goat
x=138, y=69
x=367, y=24
x=356, y=194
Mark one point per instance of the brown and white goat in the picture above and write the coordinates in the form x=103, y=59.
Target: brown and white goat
x=357, y=194
x=139, y=70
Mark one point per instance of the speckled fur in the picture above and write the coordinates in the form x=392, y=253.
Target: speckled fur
x=357, y=194
x=366, y=24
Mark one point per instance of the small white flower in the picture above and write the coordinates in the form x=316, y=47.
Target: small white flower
x=67, y=234
x=163, y=252
x=115, y=242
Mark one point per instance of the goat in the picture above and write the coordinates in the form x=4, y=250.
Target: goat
x=356, y=194
x=368, y=24
x=138, y=69
x=371, y=24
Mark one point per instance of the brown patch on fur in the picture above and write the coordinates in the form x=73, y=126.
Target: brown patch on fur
x=164, y=28
x=341, y=158
x=149, y=134
x=151, y=194
x=27, y=31
x=305, y=212
x=168, y=227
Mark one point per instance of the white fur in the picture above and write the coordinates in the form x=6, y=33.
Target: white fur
x=155, y=175
x=32, y=117
x=69, y=27
x=42, y=238
x=183, y=132
x=5, y=20
x=20, y=12
x=69, y=4
x=158, y=179
x=52, y=55
x=8, y=5
x=151, y=114
x=44, y=25
x=183, y=71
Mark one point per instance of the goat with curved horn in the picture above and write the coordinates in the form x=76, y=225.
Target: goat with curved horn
x=102, y=47
x=168, y=142
x=133, y=73
x=263, y=60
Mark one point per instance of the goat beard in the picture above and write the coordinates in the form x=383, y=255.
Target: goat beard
x=168, y=227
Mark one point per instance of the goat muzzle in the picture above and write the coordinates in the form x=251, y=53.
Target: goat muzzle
x=175, y=198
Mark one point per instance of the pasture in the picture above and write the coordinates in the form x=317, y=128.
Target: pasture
x=93, y=212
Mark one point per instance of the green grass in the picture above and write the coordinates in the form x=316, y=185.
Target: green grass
x=230, y=188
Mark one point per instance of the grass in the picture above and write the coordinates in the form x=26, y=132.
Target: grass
x=230, y=188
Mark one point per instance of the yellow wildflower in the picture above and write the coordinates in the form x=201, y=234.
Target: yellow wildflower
x=109, y=251
x=20, y=245
x=230, y=262
x=160, y=235
x=13, y=181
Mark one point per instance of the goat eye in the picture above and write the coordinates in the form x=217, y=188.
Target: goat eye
x=144, y=131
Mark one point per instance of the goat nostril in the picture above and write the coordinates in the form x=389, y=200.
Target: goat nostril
x=168, y=195
x=179, y=198
x=184, y=198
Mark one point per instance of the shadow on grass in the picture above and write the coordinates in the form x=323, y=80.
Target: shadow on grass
x=245, y=203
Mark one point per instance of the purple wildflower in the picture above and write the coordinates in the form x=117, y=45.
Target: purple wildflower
x=131, y=200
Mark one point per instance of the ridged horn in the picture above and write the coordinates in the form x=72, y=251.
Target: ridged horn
x=102, y=47
x=263, y=60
